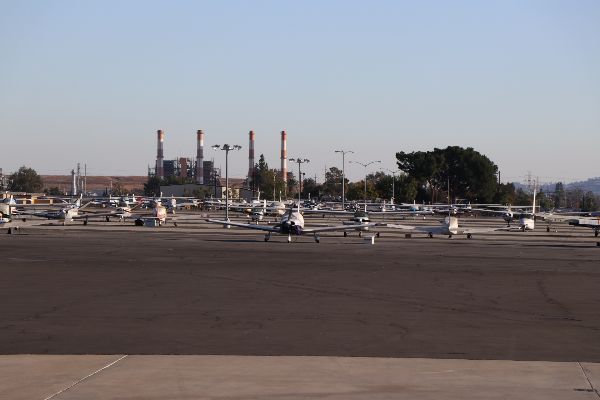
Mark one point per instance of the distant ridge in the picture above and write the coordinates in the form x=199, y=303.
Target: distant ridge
x=591, y=184
x=129, y=183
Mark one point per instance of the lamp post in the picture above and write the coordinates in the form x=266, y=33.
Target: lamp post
x=227, y=148
x=365, y=165
x=344, y=175
x=299, y=161
x=393, y=183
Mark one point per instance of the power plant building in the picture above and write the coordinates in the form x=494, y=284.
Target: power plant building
x=203, y=172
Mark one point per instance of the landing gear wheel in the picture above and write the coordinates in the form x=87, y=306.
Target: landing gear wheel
x=317, y=239
x=289, y=239
x=469, y=236
x=377, y=234
x=548, y=229
x=345, y=234
x=107, y=219
x=450, y=236
x=267, y=237
x=430, y=234
x=359, y=233
x=596, y=233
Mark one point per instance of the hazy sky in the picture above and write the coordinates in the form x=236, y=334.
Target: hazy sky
x=91, y=82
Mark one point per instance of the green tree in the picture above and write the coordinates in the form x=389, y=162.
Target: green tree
x=333, y=182
x=559, y=195
x=261, y=172
x=588, y=202
x=472, y=176
x=25, y=180
x=310, y=188
x=152, y=186
x=545, y=201
x=522, y=198
x=406, y=189
x=53, y=191
x=505, y=194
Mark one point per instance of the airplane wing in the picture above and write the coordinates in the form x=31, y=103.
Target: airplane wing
x=401, y=212
x=423, y=229
x=586, y=222
x=401, y=227
x=327, y=212
x=337, y=228
x=247, y=226
x=102, y=215
x=467, y=231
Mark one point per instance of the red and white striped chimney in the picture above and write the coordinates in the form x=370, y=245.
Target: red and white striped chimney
x=160, y=137
x=200, y=158
x=251, y=159
x=284, y=156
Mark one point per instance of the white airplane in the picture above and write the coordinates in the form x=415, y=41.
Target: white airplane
x=361, y=222
x=159, y=213
x=526, y=219
x=291, y=223
x=593, y=223
x=449, y=227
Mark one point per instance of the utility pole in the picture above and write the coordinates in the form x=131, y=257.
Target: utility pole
x=393, y=184
x=365, y=165
x=226, y=148
x=299, y=161
x=344, y=152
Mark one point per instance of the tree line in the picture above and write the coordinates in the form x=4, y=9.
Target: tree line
x=424, y=177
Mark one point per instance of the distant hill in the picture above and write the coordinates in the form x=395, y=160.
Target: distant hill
x=129, y=183
x=591, y=184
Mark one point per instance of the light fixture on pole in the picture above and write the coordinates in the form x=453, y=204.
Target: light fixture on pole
x=393, y=183
x=365, y=165
x=227, y=148
x=344, y=152
x=299, y=161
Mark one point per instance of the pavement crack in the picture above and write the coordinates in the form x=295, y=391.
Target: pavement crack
x=84, y=378
x=592, y=388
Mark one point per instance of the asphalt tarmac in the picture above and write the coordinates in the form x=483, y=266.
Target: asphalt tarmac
x=204, y=290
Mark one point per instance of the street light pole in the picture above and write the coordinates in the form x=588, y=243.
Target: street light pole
x=227, y=148
x=299, y=161
x=393, y=183
x=344, y=175
x=365, y=165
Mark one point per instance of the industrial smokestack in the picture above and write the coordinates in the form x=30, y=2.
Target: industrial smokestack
x=200, y=158
x=284, y=156
x=251, y=159
x=160, y=137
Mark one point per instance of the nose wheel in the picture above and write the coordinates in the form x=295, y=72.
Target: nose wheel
x=317, y=238
x=267, y=237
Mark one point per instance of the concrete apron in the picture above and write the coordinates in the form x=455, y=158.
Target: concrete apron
x=63, y=377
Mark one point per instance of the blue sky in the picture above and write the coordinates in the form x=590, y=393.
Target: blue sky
x=91, y=82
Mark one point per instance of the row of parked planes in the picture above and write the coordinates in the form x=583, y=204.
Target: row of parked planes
x=154, y=210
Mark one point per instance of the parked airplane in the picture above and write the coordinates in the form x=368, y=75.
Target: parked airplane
x=291, y=223
x=361, y=222
x=449, y=227
x=593, y=223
